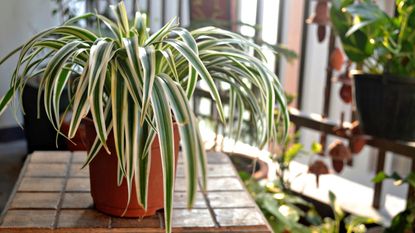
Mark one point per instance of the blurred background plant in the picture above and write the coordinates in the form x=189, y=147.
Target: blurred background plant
x=375, y=41
x=405, y=220
x=289, y=211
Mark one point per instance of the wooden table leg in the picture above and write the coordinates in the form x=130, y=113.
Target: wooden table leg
x=411, y=190
x=380, y=164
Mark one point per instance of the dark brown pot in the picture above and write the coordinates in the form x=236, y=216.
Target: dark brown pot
x=110, y=198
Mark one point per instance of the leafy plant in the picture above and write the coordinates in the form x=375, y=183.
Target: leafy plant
x=352, y=223
x=375, y=41
x=405, y=220
x=288, y=212
x=281, y=208
x=135, y=84
x=285, y=210
x=284, y=154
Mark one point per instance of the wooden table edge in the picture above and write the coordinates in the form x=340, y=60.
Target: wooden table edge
x=14, y=190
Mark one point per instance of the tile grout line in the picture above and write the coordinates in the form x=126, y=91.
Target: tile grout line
x=65, y=182
x=209, y=207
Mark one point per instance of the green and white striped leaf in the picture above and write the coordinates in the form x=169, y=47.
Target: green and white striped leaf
x=140, y=24
x=120, y=13
x=131, y=125
x=55, y=68
x=143, y=163
x=163, y=32
x=97, y=145
x=78, y=18
x=80, y=106
x=58, y=88
x=113, y=27
x=168, y=56
x=118, y=99
x=183, y=114
x=7, y=98
x=148, y=61
x=197, y=64
x=98, y=66
x=165, y=135
x=131, y=81
x=82, y=34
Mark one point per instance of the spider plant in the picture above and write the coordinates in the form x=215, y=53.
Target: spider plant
x=136, y=84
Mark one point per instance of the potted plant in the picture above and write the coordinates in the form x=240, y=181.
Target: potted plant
x=382, y=48
x=132, y=94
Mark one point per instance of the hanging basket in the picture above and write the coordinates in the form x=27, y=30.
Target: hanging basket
x=386, y=105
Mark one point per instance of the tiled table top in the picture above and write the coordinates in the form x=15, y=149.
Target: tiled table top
x=52, y=195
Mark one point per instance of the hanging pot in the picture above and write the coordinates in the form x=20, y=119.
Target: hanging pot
x=386, y=105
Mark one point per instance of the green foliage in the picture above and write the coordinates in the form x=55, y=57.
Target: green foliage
x=357, y=223
x=135, y=84
x=288, y=212
x=405, y=220
x=286, y=153
x=292, y=152
x=375, y=41
x=398, y=180
x=402, y=222
x=316, y=148
x=281, y=208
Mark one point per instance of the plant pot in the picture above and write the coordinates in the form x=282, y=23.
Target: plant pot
x=76, y=143
x=110, y=198
x=40, y=133
x=386, y=106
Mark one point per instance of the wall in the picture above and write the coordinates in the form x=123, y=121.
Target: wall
x=19, y=20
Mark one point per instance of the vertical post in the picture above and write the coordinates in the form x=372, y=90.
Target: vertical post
x=410, y=200
x=163, y=12
x=327, y=87
x=380, y=164
x=303, y=54
x=133, y=7
x=329, y=74
x=258, y=21
x=180, y=10
x=257, y=40
x=149, y=12
x=280, y=30
x=89, y=7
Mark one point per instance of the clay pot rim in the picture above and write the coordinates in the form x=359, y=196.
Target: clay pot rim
x=155, y=142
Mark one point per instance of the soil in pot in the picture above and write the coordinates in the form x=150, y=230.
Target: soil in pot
x=110, y=198
x=386, y=106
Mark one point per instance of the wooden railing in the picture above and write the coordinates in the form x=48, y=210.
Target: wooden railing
x=399, y=148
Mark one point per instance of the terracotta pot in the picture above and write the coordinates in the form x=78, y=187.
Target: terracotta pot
x=76, y=143
x=110, y=198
